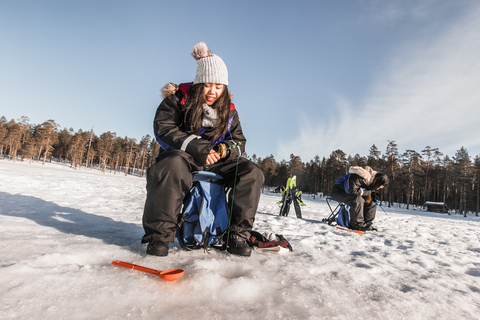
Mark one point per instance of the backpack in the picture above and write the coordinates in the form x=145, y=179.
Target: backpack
x=204, y=218
x=343, y=216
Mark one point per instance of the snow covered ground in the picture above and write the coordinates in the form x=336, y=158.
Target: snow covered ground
x=61, y=228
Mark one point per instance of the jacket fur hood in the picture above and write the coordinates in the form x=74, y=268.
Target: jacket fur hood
x=169, y=89
x=367, y=174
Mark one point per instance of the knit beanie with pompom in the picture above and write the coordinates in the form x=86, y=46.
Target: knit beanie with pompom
x=210, y=67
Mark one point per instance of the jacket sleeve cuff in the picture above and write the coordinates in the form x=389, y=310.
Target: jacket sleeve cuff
x=199, y=149
x=366, y=193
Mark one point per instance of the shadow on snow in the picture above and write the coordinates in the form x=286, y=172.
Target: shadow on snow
x=71, y=221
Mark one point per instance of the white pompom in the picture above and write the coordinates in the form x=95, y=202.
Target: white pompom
x=200, y=50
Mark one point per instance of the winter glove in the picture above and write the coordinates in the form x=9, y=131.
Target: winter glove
x=368, y=199
x=268, y=240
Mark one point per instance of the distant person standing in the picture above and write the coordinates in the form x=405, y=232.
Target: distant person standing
x=198, y=128
x=358, y=189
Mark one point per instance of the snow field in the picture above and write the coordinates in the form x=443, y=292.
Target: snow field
x=61, y=228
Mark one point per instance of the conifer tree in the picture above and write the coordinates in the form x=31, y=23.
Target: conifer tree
x=31, y=146
x=411, y=163
x=143, y=147
x=3, y=134
x=463, y=173
x=154, y=150
x=314, y=175
x=62, y=145
x=118, y=154
x=90, y=154
x=105, y=147
x=13, y=139
x=283, y=173
x=334, y=167
x=46, y=138
x=357, y=160
x=295, y=166
x=130, y=149
x=391, y=155
x=78, y=148
x=476, y=183
x=430, y=154
x=269, y=169
x=373, y=158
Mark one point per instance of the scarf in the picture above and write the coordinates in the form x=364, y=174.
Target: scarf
x=210, y=116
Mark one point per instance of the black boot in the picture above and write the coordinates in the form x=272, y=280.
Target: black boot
x=157, y=248
x=239, y=246
x=355, y=226
x=367, y=228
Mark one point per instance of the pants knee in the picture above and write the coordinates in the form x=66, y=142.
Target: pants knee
x=359, y=201
x=258, y=173
x=172, y=167
x=254, y=172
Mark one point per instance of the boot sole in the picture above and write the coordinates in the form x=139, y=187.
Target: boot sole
x=243, y=252
x=160, y=252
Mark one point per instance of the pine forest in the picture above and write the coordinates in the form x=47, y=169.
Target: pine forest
x=416, y=177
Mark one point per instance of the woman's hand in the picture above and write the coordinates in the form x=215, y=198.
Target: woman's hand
x=213, y=157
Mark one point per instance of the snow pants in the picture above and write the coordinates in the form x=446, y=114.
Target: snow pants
x=361, y=214
x=172, y=176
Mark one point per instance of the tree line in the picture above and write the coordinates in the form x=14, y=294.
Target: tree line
x=415, y=177
x=47, y=142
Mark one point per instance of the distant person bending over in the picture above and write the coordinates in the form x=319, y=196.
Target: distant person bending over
x=198, y=128
x=358, y=189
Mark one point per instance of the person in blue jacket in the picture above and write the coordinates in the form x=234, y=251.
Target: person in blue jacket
x=358, y=189
x=198, y=128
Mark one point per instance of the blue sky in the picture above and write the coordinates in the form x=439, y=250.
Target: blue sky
x=308, y=77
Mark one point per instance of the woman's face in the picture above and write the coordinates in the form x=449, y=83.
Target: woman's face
x=211, y=92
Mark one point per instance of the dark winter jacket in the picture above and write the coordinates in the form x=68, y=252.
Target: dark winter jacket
x=170, y=131
x=355, y=182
